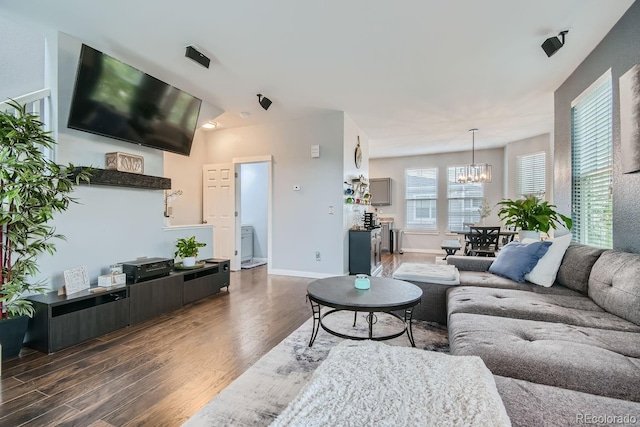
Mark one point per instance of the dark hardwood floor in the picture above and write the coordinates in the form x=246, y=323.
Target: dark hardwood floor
x=161, y=372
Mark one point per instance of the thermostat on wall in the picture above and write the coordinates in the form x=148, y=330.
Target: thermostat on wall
x=315, y=151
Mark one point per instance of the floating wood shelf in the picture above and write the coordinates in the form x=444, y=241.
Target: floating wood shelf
x=125, y=179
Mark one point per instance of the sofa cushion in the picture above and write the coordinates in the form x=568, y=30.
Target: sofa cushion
x=531, y=404
x=576, y=266
x=486, y=279
x=576, y=309
x=590, y=360
x=516, y=259
x=545, y=271
x=614, y=284
x=470, y=263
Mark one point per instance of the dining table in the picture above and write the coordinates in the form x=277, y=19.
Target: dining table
x=466, y=233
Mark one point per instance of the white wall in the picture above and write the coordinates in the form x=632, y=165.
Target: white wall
x=531, y=145
x=254, y=204
x=394, y=168
x=26, y=74
x=301, y=222
x=110, y=224
x=186, y=175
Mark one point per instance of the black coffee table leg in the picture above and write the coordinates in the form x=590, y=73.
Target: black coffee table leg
x=355, y=317
x=408, y=316
x=315, y=308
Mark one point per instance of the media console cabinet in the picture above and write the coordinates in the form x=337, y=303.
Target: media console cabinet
x=63, y=321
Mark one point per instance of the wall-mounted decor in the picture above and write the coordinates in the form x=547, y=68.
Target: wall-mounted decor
x=630, y=119
x=124, y=162
x=358, y=154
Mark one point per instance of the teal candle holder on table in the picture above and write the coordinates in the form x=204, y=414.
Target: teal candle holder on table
x=362, y=281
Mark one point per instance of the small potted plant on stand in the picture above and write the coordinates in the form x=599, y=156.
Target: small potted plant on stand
x=187, y=249
x=532, y=216
x=32, y=189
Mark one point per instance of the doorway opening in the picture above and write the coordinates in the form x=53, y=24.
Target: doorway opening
x=254, y=214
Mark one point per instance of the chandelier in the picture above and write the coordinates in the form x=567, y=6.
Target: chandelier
x=474, y=172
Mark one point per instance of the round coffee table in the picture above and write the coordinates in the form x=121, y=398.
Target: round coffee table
x=385, y=295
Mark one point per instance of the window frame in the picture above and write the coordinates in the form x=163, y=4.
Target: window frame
x=432, y=198
x=475, y=202
x=531, y=184
x=592, y=164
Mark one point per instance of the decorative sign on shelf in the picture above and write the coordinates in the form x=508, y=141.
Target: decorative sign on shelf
x=76, y=280
x=124, y=162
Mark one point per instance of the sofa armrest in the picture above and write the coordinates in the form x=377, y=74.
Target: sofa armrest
x=470, y=263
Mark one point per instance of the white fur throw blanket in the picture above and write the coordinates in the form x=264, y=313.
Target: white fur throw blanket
x=368, y=383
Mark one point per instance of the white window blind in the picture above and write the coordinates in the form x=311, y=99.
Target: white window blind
x=421, y=194
x=592, y=160
x=464, y=200
x=531, y=174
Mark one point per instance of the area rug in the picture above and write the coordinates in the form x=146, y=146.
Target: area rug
x=368, y=383
x=264, y=390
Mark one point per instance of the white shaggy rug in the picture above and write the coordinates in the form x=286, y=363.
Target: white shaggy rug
x=264, y=390
x=373, y=384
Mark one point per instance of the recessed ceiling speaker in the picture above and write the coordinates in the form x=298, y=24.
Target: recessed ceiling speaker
x=553, y=44
x=264, y=101
x=200, y=58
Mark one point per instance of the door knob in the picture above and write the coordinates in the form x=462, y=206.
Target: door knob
x=204, y=221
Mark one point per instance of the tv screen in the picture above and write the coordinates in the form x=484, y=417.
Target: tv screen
x=116, y=100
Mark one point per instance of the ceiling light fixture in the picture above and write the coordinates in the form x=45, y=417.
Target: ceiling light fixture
x=474, y=172
x=264, y=101
x=244, y=114
x=553, y=44
x=210, y=125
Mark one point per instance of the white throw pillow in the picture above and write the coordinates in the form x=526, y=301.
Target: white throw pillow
x=544, y=273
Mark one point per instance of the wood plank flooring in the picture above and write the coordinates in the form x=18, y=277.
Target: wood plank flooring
x=161, y=372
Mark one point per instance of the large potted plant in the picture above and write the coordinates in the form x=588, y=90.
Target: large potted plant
x=532, y=214
x=32, y=189
x=187, y=249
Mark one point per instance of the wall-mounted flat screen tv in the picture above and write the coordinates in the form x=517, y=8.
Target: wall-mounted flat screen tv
x=116, y=100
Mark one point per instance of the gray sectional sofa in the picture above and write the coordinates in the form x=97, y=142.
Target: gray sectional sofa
x=561, y=355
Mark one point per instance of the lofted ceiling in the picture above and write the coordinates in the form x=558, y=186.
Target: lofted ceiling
x=414, y=75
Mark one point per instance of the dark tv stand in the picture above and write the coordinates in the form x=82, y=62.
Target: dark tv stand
x=63, y=321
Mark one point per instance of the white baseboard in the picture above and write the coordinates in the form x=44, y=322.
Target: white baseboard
x=295, y=273
x=424, y=251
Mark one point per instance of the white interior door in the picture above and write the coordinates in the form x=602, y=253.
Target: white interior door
x=219, y=208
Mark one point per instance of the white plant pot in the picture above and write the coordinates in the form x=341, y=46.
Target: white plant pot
x=528, y=234
x=189, y=261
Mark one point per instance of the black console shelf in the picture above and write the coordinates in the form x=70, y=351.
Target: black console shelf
x=63, y=321
x=203, y=282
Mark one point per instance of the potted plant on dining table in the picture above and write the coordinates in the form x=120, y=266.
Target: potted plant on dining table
x=531, y=216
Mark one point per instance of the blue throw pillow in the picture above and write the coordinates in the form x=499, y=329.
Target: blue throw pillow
x=516, y=259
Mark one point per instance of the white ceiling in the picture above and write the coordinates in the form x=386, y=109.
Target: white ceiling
x=414, y=75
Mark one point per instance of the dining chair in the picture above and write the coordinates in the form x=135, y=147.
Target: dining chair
x=484, y=241
x=466, y=226
x=508, y=238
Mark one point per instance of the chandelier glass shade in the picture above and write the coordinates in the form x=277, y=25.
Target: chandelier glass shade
x=474, y=172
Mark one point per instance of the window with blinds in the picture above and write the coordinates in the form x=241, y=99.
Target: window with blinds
x=464, y=200
x=531, y=174
x=591, y=163
x=421, y=194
